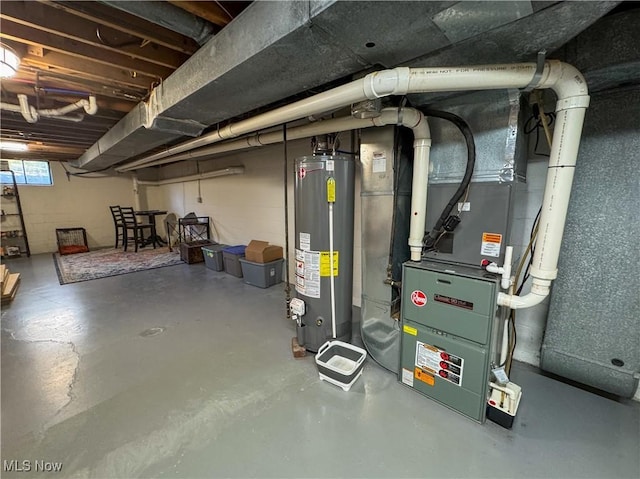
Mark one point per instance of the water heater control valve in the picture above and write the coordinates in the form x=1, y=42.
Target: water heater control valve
x=297, y=307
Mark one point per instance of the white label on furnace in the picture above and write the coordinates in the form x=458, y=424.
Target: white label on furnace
x=305, y=241
x=466, y=206
x=427, y=357
x=379, y=162
x=308, y=273
x=330, y=165
x=491, y=243
x=407, y=377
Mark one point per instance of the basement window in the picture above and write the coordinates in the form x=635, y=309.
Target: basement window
x=31, y=172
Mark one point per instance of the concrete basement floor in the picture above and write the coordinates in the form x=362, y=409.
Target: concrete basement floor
x=216, y=393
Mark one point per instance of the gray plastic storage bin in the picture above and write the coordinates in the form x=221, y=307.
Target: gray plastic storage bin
x=213, y=256
x=231, y=256
x=262, y=275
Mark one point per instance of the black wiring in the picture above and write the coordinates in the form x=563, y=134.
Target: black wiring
x=84, y=174
x=534, y=124
x=441, y=226
x=513, y=340
x=527, y=270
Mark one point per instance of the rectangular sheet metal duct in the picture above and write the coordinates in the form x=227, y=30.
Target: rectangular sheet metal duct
x=593, y=327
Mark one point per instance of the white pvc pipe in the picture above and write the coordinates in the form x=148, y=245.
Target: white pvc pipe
x=415, y=120
x=506, y=272
x=259, y=139
x=504, y=349
x=573, y=100
x=396, y=81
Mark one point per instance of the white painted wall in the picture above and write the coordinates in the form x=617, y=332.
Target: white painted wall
x=251, y=205
x=80, y=202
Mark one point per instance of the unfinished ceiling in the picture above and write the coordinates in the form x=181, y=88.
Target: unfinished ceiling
x=225, y=69
x=70, y=50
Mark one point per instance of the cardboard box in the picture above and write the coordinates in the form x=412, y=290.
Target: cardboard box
x=262, y=252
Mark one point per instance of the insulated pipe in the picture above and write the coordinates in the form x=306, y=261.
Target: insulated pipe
x=31, y=115
x=232, y=170
x=90, y=106
x=564, y=79
x=259, y=139
x=28, y=112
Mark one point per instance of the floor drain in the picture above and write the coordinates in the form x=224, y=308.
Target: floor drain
x=151, y=332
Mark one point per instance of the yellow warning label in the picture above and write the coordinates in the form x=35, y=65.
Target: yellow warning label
x=331, y=190
x=491, y=238
x=325, y=263
x=420, y=375
x=410, y=330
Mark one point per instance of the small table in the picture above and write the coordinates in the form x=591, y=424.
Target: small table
x=151, y=214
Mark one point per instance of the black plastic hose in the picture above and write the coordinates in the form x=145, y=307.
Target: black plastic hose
x=463, y=126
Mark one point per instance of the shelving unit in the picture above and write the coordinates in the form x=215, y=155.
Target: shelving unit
x=14, y=233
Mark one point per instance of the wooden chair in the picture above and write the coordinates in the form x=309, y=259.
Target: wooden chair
x=118, y=224
x=137, y=229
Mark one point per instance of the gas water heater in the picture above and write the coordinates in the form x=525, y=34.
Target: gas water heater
x=324, y=187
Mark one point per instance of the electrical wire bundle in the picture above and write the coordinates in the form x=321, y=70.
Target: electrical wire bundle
x=448, y=222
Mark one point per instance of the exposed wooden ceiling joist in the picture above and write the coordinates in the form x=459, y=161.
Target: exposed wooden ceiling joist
x=72, y=49
x=68, y=26
x=31, y=90
x=127, y=23
x=210, y=11
x=88, y=69
x=107, y=56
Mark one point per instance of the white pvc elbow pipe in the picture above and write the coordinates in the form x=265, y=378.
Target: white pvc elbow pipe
x=573, y=100
x=414, y=119
x=91, y=107
x=29, y=113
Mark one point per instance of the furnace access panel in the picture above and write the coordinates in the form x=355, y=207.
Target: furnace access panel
x=448, y=314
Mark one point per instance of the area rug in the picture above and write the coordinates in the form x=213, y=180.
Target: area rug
x=102, y=263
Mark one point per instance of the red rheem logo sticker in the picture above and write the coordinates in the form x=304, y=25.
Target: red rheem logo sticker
x=418, y=298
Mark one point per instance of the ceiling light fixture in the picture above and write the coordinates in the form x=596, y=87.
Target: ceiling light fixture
x=13, y=146
x=9, y=61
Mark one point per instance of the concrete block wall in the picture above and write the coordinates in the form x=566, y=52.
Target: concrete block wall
x=80, y=202
x=248, y=206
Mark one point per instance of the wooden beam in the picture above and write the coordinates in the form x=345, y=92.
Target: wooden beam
x=46, y=40
x=127, y=23
x=50, y=19
x=208, y=10
x=35, y=149
x=88, y=69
